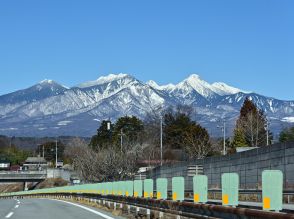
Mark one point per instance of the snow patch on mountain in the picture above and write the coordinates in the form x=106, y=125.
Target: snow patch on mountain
x=103, y=80
x=288, y=119
x=167, y=87
x=224, y=89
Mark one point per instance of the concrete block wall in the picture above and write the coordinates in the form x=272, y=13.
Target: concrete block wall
x=248, y=164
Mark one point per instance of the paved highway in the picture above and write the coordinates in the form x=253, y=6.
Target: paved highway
x=48, y=209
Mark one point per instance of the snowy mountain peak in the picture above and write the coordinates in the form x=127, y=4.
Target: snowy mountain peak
x=153, y=84
x=193, y=77
x=47, y=81
x=166, y=87
x=196, y=83
x=103, y=80
x=111, y=77
x=50, y=83
x=224, y=89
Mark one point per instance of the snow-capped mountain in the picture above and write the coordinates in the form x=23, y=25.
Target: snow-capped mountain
x=50, y=109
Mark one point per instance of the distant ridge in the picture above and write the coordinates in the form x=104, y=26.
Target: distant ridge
x=50, y=109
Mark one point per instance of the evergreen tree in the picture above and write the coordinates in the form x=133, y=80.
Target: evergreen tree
x=251, y=125
x=287, y=135
x=176, y=124
x=103, y=138
x=181, y=132
x=131, y=129
x=239, y=139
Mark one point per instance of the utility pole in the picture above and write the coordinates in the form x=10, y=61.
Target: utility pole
x=121, y=139
x=223, y=128
x=267, y=133
x=161, y=153
x=56, y=153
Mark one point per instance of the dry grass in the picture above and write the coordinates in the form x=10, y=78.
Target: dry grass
x=15, y=187
x=50, y=183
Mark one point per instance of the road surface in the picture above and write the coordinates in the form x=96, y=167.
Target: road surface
x=48, y=209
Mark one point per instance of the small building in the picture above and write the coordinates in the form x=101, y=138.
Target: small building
x=59, y=164
x=35, y=163
x=75, y=180
x=4, y=164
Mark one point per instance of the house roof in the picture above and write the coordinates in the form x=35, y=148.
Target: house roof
x=35, y=160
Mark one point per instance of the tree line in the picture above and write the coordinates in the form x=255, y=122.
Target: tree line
x=117, y=149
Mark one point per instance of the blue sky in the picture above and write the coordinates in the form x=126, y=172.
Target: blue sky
x=248, y=43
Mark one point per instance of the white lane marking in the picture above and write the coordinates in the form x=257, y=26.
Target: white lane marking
x=88, y=209
x=9, y=215
x=16, y=206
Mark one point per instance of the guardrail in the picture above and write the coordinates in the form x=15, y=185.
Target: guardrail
x=142, y=193
x=22, y=172
x=22, y=176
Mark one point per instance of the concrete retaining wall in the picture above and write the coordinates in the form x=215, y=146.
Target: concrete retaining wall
x=249, y=165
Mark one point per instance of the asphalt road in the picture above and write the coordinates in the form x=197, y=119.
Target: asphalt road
x=49, y=209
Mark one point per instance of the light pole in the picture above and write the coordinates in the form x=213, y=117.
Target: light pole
x=223, y=127
x=224, y=130
x=267, y=132
x=56, y=153
x=121, y=139
x=161, y=153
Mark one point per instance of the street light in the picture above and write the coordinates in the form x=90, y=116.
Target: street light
x=56, y=153
x=121, y=139
x=223, y=128
x=161, y=155
x=267, y=124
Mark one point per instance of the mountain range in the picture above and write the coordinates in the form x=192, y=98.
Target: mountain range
x=51, y=109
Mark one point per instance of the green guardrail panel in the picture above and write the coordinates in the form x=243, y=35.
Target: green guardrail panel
x=103, y=188
x=129, y=188
x=87, y=188
x=77, y=189
x=178, y=188
x=138, y=188
x=230, y=189
x=84, y=188
x=148, y=188
x=94, y=189
x=115, y=188
x=121, y=186
x=112, y=188
x=98, y=187
x=272, y=190
x=200, y=187
x=108, y=188
x=161, y=188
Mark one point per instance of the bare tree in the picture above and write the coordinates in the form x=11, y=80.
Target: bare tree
x=253, y=128
x=106, y=164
